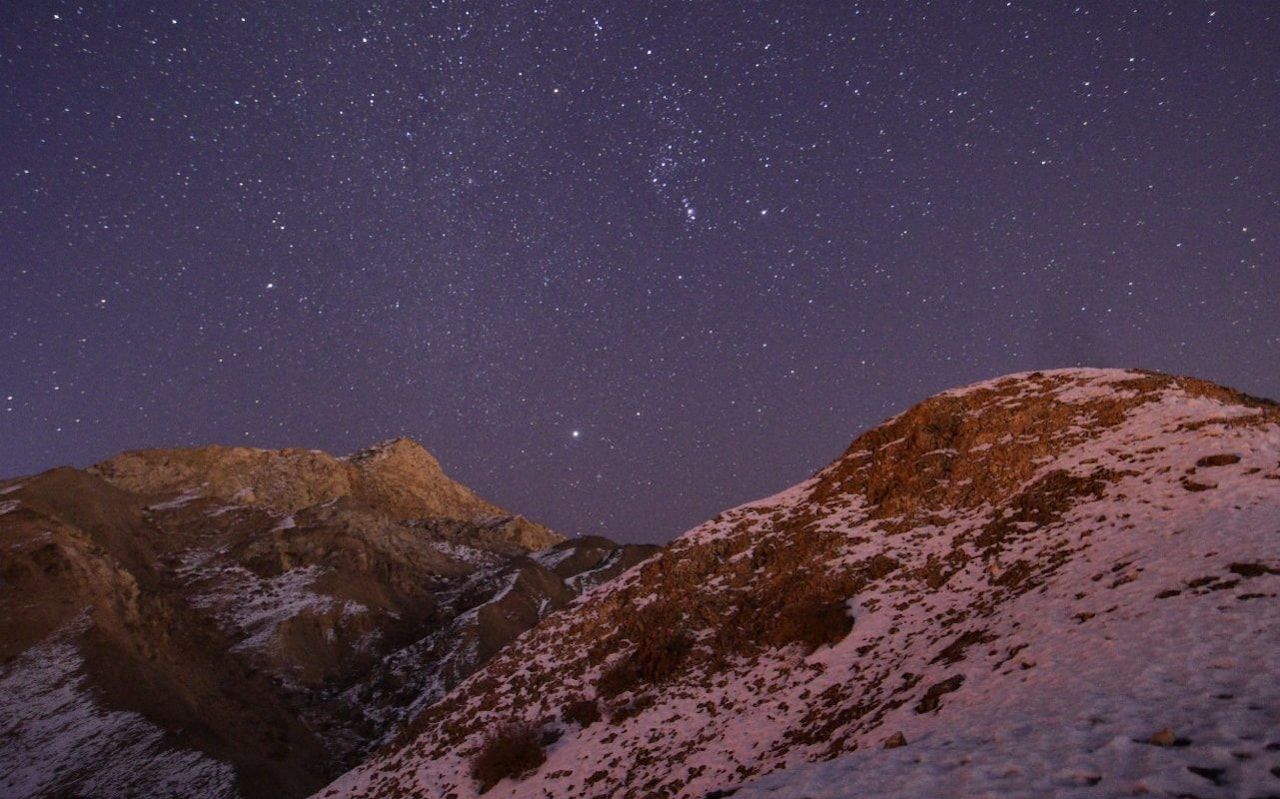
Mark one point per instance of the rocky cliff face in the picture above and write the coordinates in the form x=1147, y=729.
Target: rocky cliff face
x=1058, y=583
x=222, y=622
x=398, y=477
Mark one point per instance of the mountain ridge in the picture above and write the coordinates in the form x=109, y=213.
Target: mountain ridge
x=399, y=475
x=885, y=590
x=224, y=622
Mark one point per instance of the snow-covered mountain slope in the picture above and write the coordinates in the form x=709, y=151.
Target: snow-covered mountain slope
x=1057, y=583
x=181, y=623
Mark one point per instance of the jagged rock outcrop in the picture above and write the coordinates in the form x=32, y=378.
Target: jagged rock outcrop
x=398, y=477
x=1008, y=589
x=222, y=622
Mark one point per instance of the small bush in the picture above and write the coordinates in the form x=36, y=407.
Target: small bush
x=583, y=712
x=620, y=678
x=658, y=659
x=637, y=705
x=653, y=661
x=812, y=624
x=510, y=751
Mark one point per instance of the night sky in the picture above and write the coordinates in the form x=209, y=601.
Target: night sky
x=619, y=265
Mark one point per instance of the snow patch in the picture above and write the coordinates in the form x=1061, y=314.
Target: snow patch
x=56, y=735
x=176, y=502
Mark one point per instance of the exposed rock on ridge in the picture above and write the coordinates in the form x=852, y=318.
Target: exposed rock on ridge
x=398, y=476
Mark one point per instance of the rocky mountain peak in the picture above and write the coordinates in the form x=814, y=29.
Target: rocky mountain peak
x=976, y=445
x=400, y=477
x=404, y=452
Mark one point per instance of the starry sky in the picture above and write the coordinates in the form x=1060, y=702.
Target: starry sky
x=619, y=265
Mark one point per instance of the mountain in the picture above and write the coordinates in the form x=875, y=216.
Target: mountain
x=399, y=477
x=222, y=622
x=1057, y=583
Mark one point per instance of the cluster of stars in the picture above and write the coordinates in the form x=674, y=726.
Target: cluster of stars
x=710, y=242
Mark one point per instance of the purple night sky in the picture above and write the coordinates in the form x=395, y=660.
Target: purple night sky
x=619, y=265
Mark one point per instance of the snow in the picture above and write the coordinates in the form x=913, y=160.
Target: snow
x=551, y=558
x=1078, y=720
x=428, y=666
x=52, y=726
x=505, y=586
x=509, y=583
x=1093, y=382
x=10, y=489
x=177, y=502
x=9, y=506
x=581, y=582
x=465, y=554
x=253, y=607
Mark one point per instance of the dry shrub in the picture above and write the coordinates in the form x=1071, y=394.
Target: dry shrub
x=513, y=750
x=618, y=679
x=629, y=710
x=658, y=659
x=812, y=624
x=583, y=712
x=655, y=659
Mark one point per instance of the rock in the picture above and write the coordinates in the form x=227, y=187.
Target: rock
x=895, y=741
x=1165, y=737
x=525, y=534
x=1210, y=461
x=932, y=699
x=1192, y=485
x=399, y=477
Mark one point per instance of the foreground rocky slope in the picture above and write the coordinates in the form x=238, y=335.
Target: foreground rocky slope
x=221, y=622
x=1059, y=583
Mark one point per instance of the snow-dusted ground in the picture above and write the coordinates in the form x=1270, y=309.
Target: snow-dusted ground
x=1156, y=604
x=55, y=734
x=551, y=558
x=1076, y=715
x=1188, y=641
x=471, y=556
x=250, y=607
x=592, y=577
